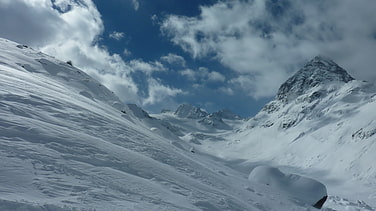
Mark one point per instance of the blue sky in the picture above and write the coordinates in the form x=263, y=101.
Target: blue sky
x=214, y=54
x=143, y=39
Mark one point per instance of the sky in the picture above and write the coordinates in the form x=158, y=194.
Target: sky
x=214, y=54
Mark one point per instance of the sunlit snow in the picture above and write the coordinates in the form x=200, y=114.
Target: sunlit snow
x=68, y=143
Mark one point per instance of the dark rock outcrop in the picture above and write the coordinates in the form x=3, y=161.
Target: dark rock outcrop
x=319, y=70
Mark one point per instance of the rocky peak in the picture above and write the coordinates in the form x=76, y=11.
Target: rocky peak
x=226, y=114
x=215, y=122
x=320, y=70
x=190, y=111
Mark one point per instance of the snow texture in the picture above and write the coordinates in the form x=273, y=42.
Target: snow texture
x=305, y=190
x=68, y=143
x=320, y=125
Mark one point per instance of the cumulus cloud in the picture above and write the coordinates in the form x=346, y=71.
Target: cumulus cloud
x=127, y=52
x=146, y=67
x=16, y=22
x=69, y=30
x=227, y=90
x=173, y=59
x=158, y=93
x=116, y=35
x=265, y=41
x=216, y=77
x=189, y=74
x=136, y=4
x=154, y=19
x=203, y=74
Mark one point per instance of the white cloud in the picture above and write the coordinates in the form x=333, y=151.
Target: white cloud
x=174, y=59
x=116, y=35
x=203, y=74
x=189, y=73
x=154, y=19
x=255, y=85
x=227, y=90
x=69, y=30
x=16, y=22
x=127, y=52
x=216, y=77
x=264, y=41
x=136, y=4
x=158, y=93
x=146, y=67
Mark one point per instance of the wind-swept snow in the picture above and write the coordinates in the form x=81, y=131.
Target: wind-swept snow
x=68, y=143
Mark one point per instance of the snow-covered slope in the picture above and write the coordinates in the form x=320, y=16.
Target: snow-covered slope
x=322, y=123
x=303, y=189
x=68, y=143
x=193, y=125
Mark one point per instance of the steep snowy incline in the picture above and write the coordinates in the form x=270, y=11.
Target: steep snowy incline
x=68, y=143
x=322, y=123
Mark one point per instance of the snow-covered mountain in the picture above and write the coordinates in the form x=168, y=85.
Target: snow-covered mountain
x=320, y=71
x=321, y=123
x=190, y=111
x=227, y=114
x=68, y=143
x=194, y=125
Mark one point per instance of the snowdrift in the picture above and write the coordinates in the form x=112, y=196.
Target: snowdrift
x=305, y=190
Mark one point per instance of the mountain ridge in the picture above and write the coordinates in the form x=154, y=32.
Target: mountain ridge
x=318, y=71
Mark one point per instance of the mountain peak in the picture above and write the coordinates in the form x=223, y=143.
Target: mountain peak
x=320, y=70
x=190, y=111
x=322, y=59
x=325, y=64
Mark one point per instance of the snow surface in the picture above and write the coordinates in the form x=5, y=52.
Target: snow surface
x=326, y=133
x=305, y=190
x=68, y=143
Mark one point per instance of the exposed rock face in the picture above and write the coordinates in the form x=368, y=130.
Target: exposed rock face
x=320, y=203
x=190, y=111
x=215, y=122
x=226, y=114
x=303, y=92
x=318, y=71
